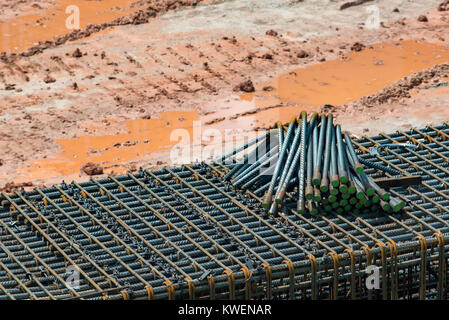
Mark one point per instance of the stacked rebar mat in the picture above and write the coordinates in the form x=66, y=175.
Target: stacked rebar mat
x=184, y=232
x=314, y=158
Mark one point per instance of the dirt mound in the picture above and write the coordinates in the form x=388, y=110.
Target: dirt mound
x=302, y=54
x=423, y=18
x=92, y=169
x=401, y=88
x=246, y=86
x=357, y=46
x=444, y=6
x=11, y=187
x=77, y=53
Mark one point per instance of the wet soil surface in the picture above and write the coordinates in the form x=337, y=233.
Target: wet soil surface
x=112, y=98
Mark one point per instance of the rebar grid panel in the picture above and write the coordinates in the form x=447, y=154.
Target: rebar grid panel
x=188, y=233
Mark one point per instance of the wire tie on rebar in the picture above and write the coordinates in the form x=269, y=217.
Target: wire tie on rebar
x=350, y=252
x=211, y=280
x=150, y=292
x=231, y=282
x=394, y=255
x=440, y=238
x=381, y=245
x=124, y=294
x=170, y=289
x=191, y=286
x=313, y=270
x=291, y=271
x=423, y=256
x=367, y=251
x=334, y=256
x=247, y=275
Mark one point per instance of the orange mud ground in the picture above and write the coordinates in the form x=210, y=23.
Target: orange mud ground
x=118, y=104
x=28, y=29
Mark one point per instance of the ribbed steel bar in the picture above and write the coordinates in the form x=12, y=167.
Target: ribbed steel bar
x=118, y=240
x=27, y=271
x=87, y=235
x=302, y=160
x=206, y=215
x=37, y=258
x=324, y=184
x=196, y=244
x=41, y=217
x=147, y=224
x=283, y=235
x=279, y=165
x=45, y=236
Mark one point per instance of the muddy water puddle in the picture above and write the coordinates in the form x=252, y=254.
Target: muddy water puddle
x=142, y=137
x=358, y=74
x=21, y=33
x=334, y=82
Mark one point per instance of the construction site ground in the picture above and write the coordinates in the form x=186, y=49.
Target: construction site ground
x=113, y=93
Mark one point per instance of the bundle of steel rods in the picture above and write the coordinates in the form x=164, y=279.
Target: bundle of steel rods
x=315, y=160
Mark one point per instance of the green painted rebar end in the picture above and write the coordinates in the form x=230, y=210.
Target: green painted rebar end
x=359, y=169
x=327, y=208
x=324, y=188
x=316, y=182
x=314, y=212
x=309, y=196
x=333, y=191
x=324, y=201
x=386, y=207
x=386, y=196
x=363, y=200
x=348, y=207
x=301, y=211
x=343, y=202
x=370, y=192
x=356, y=211
x=360, y=195
x=343, y=188
x=332, y=198
x=345, y=195
x=352, y=190
x=359, y=205
x=335, y=205
x=316, y=198
x=353, y=201
x=335, y=183
x=375, y=199
x=344, y=179
x=340, y=210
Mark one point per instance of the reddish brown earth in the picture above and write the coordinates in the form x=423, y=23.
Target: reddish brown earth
x=112, y=99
